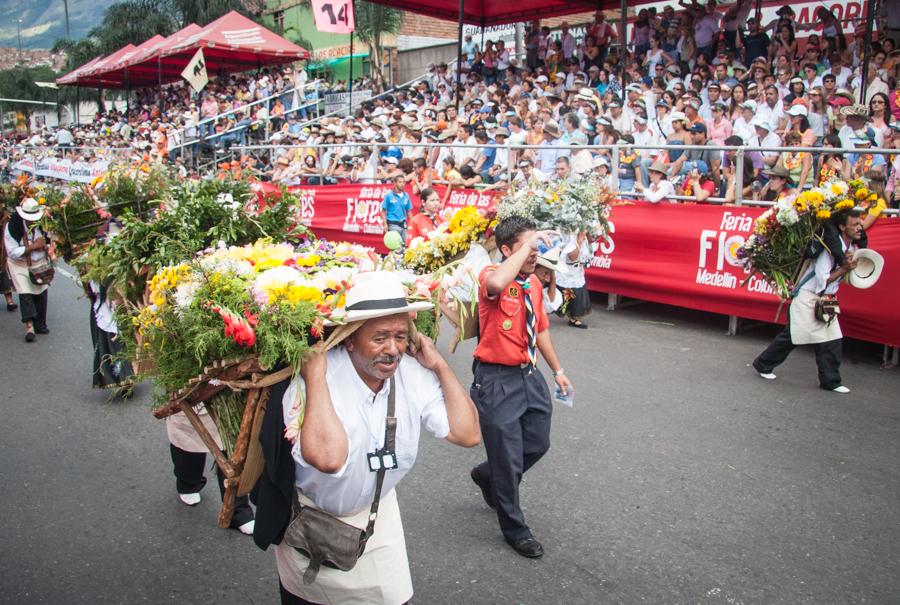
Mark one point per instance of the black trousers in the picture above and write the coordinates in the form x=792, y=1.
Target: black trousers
x=189, y=479
x=514, y=410
x=828, y=358
x=33, y=308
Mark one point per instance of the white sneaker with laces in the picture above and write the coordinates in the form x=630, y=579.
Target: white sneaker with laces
x=767, y=375
x=247, y=528
x=190, y=499
x=841, y=389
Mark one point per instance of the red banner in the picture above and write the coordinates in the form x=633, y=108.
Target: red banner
x=353, y=212
x=682, y=255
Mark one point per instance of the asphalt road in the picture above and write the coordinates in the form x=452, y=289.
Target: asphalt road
x=678, y=477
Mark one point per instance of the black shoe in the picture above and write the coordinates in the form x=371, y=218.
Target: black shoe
x=527, y=547
x=29, y=336
x=42, y=330
x=485, y=487
x=11, y=307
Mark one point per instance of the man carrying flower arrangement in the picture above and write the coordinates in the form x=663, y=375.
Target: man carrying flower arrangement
x=805, y=323
x=376, y=379
x=511, y=395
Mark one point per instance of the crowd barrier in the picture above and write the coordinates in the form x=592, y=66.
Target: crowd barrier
x=675, y=254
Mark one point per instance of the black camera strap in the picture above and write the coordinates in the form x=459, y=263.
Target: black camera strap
x=390, y=433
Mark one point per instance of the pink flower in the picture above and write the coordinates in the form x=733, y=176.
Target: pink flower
x=292, y=432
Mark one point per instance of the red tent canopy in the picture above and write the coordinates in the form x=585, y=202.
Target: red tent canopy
x=492, y=12
x=235, y=40
x=91, y=74
x=231, y=43
x=141, y=67
x=72, y=76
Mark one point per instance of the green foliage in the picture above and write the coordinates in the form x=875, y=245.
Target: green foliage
x=194, y=219
x=73, y=220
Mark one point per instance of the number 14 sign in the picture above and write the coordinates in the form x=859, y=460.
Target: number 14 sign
x=334, y=16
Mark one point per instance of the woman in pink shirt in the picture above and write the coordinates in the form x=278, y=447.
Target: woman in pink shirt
x=719, y=127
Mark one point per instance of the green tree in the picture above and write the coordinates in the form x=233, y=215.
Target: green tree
x=132, y=22
x=373, y=22
x=202, y=12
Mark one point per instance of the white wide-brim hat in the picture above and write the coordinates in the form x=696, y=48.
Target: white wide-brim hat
x=869, y=265
x=30, y=210
x=551, y=259
x=375, y=294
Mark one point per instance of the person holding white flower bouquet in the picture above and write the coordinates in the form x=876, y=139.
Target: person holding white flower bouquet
x=576, y=299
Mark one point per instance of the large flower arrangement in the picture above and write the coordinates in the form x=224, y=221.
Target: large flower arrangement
x=565, y=206
x=782, y=234
x=451, y=240
x=260, y=300
x=190, y=217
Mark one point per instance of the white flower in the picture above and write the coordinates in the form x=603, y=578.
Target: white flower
x=185, y=293
x=787, y=216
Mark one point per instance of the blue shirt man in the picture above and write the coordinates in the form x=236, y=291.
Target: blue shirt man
x=396, y=208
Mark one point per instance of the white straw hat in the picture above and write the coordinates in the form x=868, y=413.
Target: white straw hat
x=869, y=265
x=376, y=294
x=30, y=210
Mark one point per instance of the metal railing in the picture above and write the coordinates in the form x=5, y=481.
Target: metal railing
x=740, y=158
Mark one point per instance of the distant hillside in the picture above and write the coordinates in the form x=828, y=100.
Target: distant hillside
x=43, y=21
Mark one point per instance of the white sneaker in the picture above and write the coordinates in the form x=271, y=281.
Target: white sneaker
x=767, y=375
x=841, y=389
x=190, y=499
x=247, y=528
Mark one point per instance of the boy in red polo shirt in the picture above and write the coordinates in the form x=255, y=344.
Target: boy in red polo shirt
x=510, y=393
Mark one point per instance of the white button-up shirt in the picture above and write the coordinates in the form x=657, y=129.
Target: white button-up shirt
x=419, y=400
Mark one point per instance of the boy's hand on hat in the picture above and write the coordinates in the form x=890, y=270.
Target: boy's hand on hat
x=546, y=236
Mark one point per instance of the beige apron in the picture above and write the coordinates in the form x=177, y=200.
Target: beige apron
x=380, y=577
x=18, y=273
x=182, y=434
x=805, y=328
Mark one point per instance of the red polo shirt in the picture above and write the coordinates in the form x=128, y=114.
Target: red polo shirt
x=502, y=320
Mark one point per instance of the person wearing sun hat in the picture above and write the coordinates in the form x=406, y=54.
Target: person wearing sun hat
x=28, y=247
x=821, y=276
x=381, y=369
x=549, y=262
x=660, y=188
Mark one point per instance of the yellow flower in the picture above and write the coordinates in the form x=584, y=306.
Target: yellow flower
x=823, y=214
x=42, y=200
x=844, y=205
x=835, y=189
x=862, y=193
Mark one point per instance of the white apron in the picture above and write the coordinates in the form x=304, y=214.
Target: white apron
x=381, y=575
x=805, y=328
x=183, y=436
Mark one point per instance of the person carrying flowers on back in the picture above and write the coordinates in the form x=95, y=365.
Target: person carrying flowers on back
x=366, y=402
x=27, y=248
x=822, y=277
x=510, y=393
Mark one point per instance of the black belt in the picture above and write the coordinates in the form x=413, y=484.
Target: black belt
x=401, y=223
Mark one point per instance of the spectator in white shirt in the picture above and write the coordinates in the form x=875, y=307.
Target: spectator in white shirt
x=772, y=110
x=660, y=188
